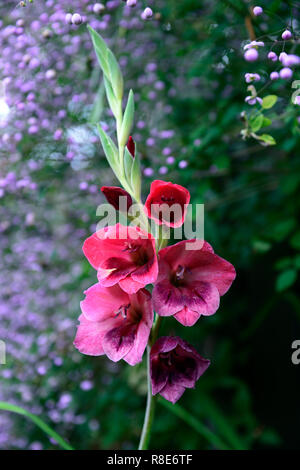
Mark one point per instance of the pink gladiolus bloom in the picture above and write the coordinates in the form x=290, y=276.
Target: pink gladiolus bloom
x=190, y=282
x=174, y=366
x=114, y=323
x=167, y=203
x=124, y=255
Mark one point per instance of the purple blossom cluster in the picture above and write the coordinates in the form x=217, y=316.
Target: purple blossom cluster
x=281, y=54
x=49, y=142
x=47, y=46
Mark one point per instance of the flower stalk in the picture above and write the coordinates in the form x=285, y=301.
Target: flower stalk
x=150, y=408
x=118, y=312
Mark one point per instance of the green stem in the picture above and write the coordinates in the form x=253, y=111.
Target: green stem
x=149, y=414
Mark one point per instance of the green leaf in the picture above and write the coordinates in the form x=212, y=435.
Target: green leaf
x=269, y=101
x=110, y=150
x=267, y=139
x=286, y=279
x=127, y=119
x=283, y=263
x=136, y=179
x=111, y=97
x=115, y=75
x=128, y=162
x=98, y=106
x=261, y=246
x=257, y=122
x=282, y=229
x=100, y=49
x=266, y=122
x=295, y=241
x=297, y=261
x=38, y=421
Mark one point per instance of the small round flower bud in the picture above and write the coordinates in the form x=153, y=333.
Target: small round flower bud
x=98, y=8
x=47, y=33
x=68, y=18
x=131, y=3
x=251, y=55
x=289, y=60
x=297, y=100
x=147, y=14
x=257, y=11
x=76, y=19
x=286, y=35
x=51, y=73
x=183, y=164
x=272, y=56
x=274, y=75
x=286, y=73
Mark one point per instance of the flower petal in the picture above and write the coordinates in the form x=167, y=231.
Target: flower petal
x=187, y=317
x=101, y=302
x=89, y=336
x=119, y=341
x=172, y=392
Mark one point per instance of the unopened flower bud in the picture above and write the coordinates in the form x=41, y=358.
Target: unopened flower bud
x=297, y=100
x=251, y=55
x=131, y=146
x=274, y=76
x=76, y=19
x=286, y=73
x=131, y=3
x=257, y=11
x=286, y=35
x=272, y=56
x=147, y=14
x=114, y=196
x=98, y=8
x=68, y=18
x=50, y=74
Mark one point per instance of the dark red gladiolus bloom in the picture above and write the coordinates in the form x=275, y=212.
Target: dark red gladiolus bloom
x=123, y=255
x=174, y=366
x=131, y=146
x=190, y=281
x=115, y=323
x=167, y=203
x=113, y=194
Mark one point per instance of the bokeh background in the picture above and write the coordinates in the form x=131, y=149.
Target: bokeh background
x=187, y=69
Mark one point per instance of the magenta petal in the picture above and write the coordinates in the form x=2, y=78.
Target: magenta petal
x=187, y=317
x=159, y=376
x=202, y=297
x=164, y=344
x=174, y=366
x=213, y=269
x=172, y=393
x=135, y=355
x=130, y=286
x=146, y=274
x=89, y=336
x=101, y=303
x=119, y=341
x=167, y=299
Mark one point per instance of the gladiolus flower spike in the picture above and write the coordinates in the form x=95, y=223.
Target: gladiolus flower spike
x=137, y=273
